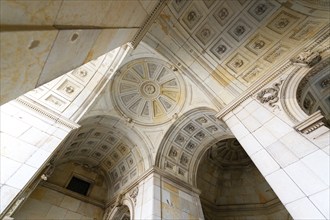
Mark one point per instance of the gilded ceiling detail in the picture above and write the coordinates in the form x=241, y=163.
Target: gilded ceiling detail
x=148, y=91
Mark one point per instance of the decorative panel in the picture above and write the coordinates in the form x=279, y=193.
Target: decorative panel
x=205, y=34
x=261, y=9
x=192, y=17
x=240, y=29
x=223, y=13
x=282, y=22
x=276, y=52
x=258, y=44
x=237, y=64
x=148, y=91
x=221, y=49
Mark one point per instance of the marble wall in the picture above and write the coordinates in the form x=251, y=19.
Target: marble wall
x=161, y=198
x=41, y=40
x=295, y=167
x=28, y=139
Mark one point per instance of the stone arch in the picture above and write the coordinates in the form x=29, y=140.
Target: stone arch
x=201, y=153
x=232, y=187
x=64, y=171
x=290, y=88
x=184, y=141
x=123, y=212
x=106, y=143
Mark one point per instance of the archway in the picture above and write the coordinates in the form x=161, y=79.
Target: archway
x=185, y=140
x=92, y=167
x=121, y=213
x=232, y=187
x=313, y=92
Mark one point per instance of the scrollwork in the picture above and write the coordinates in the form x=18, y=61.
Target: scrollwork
x=270, y=95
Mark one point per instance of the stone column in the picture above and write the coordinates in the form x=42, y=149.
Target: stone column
x=29, y=137
x=163, y=197
x=294, y=166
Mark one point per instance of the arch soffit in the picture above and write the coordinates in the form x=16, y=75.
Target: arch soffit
x=187, y=139
x=288, y=95
x=313, y=8
x=115, y=211
x=106, y=143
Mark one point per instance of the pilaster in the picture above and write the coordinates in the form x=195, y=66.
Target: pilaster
x=29, y=138
x=296, y=168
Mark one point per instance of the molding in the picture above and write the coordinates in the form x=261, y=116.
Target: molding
x=185, y=70
x=310, y=124
x=253, y=89
x=314, y=43
x=289, y=93
x=227, y=210
x=147, y=24
x=38, y=108
x=72, y=194
x=97, y=90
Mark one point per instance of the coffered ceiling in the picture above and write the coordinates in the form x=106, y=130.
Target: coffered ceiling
x=232, y=44
x=101, y=143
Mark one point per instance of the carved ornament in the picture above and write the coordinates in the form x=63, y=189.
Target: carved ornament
x=133, y=194
x=270, y=95
x=307, y=58
x=312, y=123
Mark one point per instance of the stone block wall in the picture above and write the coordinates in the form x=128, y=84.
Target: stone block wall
x=28, y=139
x=45, y=203
x=161, y=198
x=294, y=166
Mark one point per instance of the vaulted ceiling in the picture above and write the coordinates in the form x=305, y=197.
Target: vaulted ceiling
x=228, y=45
x=159, y=107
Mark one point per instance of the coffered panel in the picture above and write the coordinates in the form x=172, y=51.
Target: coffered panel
x=237, y=41
x=261, y=9
x=193, y=16
x=283, y=21
x=237, y=63
x=186, y=138
x=221, y=49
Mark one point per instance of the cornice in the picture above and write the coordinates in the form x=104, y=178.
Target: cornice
x=253, y=89
x=275, y=73
x=313, y=122
x=41, y=110
x=147, y=24
x=226, y=209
